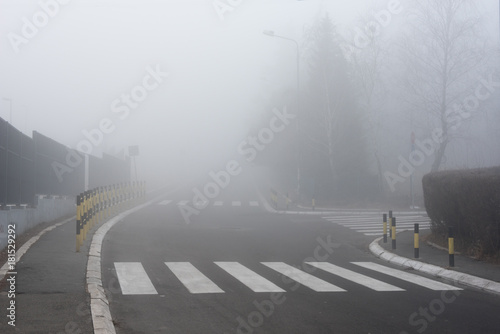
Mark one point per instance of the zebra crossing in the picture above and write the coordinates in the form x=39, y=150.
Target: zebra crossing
x=371, y=222
x=215, y=203
x=134, y=280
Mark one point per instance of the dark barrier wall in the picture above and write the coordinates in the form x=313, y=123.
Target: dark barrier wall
x=55, y=173
x=17, y=181
x=40, y=165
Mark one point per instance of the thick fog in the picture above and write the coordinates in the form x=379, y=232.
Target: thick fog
x=187, y=80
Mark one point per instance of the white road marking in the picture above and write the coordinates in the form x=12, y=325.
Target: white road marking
x=218, y=203
x=370, y=223
x=403, y=275
x=133, y=279
x=302, y=277
x=248, y=277
x=254, y=203
x=355, y=277
x=192, y=278
x=182, y=203
x=165, y=202
x=236, y=203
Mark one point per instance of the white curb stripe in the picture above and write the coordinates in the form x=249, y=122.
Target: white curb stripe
x=99, y=304
x=462, y=278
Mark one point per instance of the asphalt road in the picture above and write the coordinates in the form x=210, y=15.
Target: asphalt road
x=230, y=270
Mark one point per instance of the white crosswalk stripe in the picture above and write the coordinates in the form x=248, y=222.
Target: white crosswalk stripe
x=412, y=278
x=134, y=280
x=236, y=203
x=165, y=202
x=218, y=203
x=370, y=222
x=253, y=203
x=248, y=277
x=355, y=277
x=192, y=278
x=182, y=203
x=302, y=277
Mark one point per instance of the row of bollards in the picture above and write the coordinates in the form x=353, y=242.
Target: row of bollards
x=98, y=204
x=391, y=226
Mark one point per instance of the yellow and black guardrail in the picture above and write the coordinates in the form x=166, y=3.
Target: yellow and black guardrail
x=99, y=204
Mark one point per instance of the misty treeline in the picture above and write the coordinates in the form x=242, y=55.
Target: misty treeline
x=428, y=70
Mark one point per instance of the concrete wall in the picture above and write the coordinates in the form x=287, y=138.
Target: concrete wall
x=47, y=209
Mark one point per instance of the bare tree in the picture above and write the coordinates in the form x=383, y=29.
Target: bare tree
x=441, y=52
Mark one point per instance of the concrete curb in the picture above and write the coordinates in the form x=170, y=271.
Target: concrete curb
x=99, y=304
x=461, y=278
x=24, y=248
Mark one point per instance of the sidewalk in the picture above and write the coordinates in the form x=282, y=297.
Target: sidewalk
x=477, y=274
x=50, y=289
x=51, y=294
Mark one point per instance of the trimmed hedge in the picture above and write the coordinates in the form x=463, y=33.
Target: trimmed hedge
x=468, y=201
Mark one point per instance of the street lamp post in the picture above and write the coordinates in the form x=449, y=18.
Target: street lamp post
x=272, y=34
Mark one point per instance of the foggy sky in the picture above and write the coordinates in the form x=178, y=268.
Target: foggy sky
x=65, y=79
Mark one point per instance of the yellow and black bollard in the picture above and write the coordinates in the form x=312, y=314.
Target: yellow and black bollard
x=92, y=208
x=101, y=204
x=393, y=232
x=451, y=247
x=416, y=241
x=78, y=222
x=384, y=221
x=94, y=211
x=85, y=214
x=96, y=207
x=108, y=201
x=390, y=223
